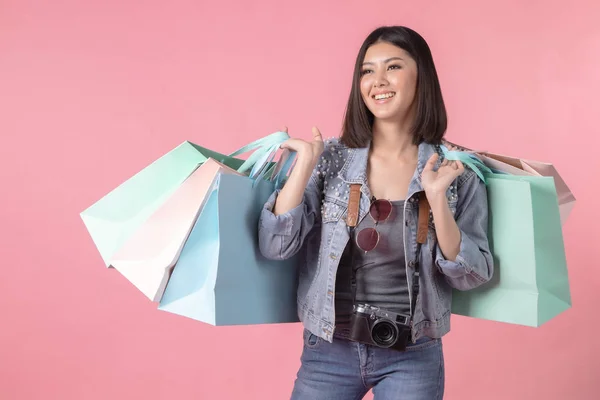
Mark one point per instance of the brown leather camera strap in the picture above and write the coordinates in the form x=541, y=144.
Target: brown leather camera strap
x=353, y=203
x=423, y=226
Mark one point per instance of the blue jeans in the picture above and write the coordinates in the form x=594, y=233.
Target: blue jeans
x=345, y=370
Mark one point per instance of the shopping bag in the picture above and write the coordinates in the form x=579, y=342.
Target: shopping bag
x=221, y=278
x=118, y=216
x=148, y=256
x=530, y=285
x=526, y=167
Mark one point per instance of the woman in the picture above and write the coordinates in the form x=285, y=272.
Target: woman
x=374, y=303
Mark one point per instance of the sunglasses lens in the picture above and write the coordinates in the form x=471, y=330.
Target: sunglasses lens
x=367, y=239
x=380, y=210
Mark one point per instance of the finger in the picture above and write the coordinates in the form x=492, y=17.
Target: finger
x=291, y=144
x=284, y=129
x=461, y=167
x=431, y=162
x=285, y=145
x=317, y=134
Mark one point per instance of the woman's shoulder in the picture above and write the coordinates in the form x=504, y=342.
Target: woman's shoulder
x=333, y=144
x=333, y=150
x=332, y=158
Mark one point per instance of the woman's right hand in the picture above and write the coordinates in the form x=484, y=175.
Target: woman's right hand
x=307, y=157
x=308, y=153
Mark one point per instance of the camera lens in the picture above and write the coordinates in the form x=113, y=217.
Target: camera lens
x=384, y=333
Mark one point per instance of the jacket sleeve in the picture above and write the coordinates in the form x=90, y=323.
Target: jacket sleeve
x=474, y=264
x=281, y=236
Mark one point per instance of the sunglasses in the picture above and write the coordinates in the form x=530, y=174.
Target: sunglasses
x=367, y=239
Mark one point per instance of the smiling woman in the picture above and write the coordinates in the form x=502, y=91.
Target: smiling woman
x=374, y=302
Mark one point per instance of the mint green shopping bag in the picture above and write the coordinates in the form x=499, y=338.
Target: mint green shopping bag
x=112, y=219
x=530, y=285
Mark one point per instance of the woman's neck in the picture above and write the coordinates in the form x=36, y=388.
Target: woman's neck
x=392, y=140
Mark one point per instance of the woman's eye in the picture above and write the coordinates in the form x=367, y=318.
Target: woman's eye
x=365, y=71
x=395, y=67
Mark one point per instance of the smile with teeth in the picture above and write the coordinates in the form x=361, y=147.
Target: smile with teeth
x=384, y=96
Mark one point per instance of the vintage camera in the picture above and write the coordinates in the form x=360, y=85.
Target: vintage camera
x=372, y=325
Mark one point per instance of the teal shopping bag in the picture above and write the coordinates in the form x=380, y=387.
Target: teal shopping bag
x=530, y=285
x=113, y=219
x=221, y=278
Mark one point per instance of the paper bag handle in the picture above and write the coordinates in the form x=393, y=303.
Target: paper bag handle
x=263, y=147
x=468, y=159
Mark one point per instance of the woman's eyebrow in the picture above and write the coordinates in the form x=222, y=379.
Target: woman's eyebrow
x=385, y=61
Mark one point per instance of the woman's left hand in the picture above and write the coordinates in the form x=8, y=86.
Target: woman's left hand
x=436, y=183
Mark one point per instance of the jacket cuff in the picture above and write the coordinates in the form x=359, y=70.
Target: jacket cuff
x=282, y=224
x=461, y=266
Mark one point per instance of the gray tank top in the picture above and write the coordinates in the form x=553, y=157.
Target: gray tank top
x=380, y=273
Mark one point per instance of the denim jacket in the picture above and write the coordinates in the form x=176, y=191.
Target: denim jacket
x=316, y=229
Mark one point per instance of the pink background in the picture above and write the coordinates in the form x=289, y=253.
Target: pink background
x=91, y=92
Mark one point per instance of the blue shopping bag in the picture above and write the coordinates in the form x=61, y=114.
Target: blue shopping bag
x=221, y=278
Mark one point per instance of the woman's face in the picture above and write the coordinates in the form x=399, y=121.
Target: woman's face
x=388, y=81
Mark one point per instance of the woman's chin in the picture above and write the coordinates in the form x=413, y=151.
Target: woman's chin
x=387, y=115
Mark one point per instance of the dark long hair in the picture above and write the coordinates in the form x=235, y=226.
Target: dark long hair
x=430, y=120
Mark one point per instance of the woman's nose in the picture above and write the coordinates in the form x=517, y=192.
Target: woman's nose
x=380, y=80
